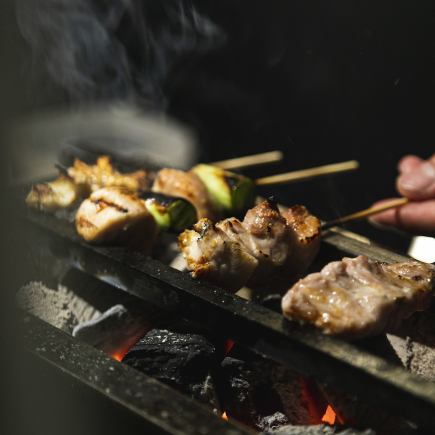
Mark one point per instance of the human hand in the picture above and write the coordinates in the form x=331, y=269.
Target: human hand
x=416, y=181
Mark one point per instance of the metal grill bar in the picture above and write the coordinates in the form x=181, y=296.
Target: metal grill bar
x=313, y=354
x=160, y=408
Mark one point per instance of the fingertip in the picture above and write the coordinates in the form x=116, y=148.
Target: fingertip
x=408, y=163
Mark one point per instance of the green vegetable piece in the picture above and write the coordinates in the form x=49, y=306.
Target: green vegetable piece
x=170, y=213
x=232, y=194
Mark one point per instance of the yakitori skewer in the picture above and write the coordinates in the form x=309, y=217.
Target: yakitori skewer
x=306, y=174
x=214, y=191
x=249, y=161
x=232, y=194
x=366, y=213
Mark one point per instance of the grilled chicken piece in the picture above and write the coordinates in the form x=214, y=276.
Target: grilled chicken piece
x=58, y=194
x=186, y=185
x=103, y=174
x=305, y=240
x=114, y=214
x=211, y=255
x=259, y=251
x=264, y=234
x=357, y=297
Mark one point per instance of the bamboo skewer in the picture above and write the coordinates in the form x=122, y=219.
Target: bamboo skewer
x=366, y=213
x=306, y=174
x=249, y=161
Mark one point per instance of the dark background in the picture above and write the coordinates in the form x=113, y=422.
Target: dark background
x=322, y=81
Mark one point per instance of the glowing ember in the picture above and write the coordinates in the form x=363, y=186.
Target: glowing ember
x=225, y=416
x=330, y=416
x=229, y=344
x=118, y=356
x=311, y=400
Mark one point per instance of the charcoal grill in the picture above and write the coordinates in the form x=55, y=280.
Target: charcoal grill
x=333, y=362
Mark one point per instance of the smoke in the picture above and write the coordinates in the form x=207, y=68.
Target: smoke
x=114, y=49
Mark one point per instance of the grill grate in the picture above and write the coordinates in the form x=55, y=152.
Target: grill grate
x=343, y=365
x=329, y=360
x=157, y=405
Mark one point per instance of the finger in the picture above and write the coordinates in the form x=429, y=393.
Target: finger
x=419, y=183
x=409, y=163
x=415, y=217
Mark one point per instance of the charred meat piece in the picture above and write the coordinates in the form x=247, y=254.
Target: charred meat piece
x=185, y=185
x=58, y=194
x=263, y=249
x=103, y=174
x=115, y=214
x=359, y=297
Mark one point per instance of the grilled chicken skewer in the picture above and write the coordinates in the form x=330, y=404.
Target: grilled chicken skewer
x=211, y=190
x=266, y=247
x=103, y=174
x=357, y=297
x=214, y=191
x=58, y=194
x=80, y=180
x=115, y=214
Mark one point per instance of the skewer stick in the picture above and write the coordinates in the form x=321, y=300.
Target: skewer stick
x=366, y=213
x=306, y=174
x=248, y=161
x=61, y=168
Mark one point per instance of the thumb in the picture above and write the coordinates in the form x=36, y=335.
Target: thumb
x=419, y=183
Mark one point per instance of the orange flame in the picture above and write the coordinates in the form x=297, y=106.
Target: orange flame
x=330, y=416
x=316, y=402
x=225, y=416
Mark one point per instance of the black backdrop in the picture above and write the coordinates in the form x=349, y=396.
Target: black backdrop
x=324, y=82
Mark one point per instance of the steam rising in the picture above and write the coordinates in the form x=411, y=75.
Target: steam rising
x=106, y=49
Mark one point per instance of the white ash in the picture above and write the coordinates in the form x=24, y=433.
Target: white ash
x=59, y=307
x=272, y=422
x=414, y=344
x=322, y=429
